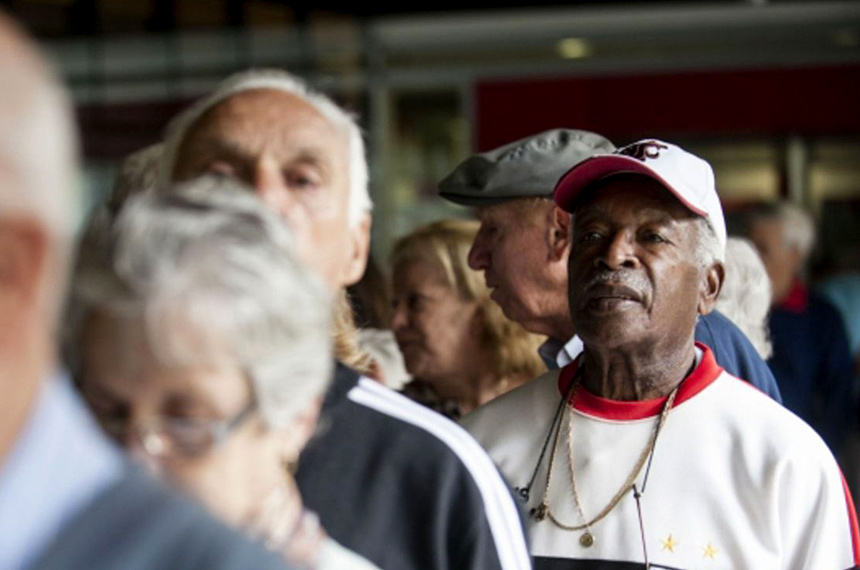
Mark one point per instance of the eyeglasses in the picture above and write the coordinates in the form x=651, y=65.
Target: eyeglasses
x=176, y=437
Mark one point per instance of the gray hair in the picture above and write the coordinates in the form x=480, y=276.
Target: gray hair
x=708, y=249
x=746, y=295
x=359, y=196
x=138, y=173
x=211, y=273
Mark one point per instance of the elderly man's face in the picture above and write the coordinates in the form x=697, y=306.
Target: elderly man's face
x=783, y=263
x=513, y=250
x=634, y=277
x=298, y=163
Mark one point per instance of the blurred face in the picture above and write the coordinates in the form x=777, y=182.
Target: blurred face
x=781, y=261
x=438, y=333
x=512, y=250
x=634, y=279
x=125, y=386
x=296, y=161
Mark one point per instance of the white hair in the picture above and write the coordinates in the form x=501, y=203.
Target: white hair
x=746, y=294
x=798, y=228
x=138, y=173
x=210, y=272
x=359, y=195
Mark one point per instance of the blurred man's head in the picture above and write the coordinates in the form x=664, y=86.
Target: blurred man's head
x=37, y=201
x=522, y=248
x=784, y=235
x=301, y=153
x=524, y=240
x=195, y=296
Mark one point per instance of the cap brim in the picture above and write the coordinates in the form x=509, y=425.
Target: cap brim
x=478, y=201
x=587, y=172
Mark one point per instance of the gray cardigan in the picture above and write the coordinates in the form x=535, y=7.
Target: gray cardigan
x=138, y=525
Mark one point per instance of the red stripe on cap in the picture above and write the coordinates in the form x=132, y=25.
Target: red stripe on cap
x=584, y=401
x=597, y=168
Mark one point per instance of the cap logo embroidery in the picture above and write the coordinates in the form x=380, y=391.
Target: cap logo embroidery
x=644, y=150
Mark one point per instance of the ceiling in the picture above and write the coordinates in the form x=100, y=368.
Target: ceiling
x=74, y=18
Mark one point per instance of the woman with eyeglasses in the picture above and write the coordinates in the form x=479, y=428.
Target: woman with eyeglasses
x=204, y=349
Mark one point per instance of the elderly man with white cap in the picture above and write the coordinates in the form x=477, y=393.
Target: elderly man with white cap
x=391, y=480
x=524, y=242
x=644, y=452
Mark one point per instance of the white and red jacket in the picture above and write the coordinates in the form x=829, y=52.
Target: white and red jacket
x=737, y=481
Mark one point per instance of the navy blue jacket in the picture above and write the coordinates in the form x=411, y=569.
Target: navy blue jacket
x=735, y=352
x=405, y=487
x=812, y=363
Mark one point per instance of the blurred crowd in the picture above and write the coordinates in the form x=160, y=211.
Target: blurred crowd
x=601, y=370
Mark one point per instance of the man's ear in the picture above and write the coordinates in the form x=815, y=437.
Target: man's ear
x=23, y=262
x=359, y=248
x=559, y=228
x=711, y=285
x=23, y=253
x=302, y=427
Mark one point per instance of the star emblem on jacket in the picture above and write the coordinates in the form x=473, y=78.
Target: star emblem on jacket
x=710, y=551
x=669, y=543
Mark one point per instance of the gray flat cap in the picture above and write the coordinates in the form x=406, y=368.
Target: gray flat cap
x=527, y=168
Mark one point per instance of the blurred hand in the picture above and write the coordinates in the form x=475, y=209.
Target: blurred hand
x=285, y=526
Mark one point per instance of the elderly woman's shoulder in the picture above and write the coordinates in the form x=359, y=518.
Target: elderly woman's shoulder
x=138, y=522
x=533, y=399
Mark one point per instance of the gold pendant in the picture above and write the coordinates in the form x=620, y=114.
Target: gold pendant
x=540, y=512
x=587, y=539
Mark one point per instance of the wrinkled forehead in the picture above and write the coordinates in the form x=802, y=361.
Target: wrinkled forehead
x=120, y=362
x=264, y=119
x=517, y=210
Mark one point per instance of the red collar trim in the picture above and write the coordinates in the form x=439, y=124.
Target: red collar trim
x=705, y=373
x=797, y=298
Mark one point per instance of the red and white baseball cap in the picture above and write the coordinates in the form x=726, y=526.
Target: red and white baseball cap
x=685, y=175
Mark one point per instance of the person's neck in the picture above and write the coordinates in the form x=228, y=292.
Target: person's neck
x=792, y=293
x=562, y=331
x=470, y=386
x=638, y=373
x=486, y=387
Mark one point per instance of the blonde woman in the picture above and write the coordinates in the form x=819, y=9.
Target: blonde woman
x=458, y=346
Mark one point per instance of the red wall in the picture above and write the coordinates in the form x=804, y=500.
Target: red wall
x=811, y=101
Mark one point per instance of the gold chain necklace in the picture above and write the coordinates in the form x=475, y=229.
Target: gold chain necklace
x=544, y=511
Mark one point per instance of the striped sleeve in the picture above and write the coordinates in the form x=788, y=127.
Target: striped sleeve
x=500, y=511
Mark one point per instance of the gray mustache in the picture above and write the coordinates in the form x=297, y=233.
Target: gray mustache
x=617, y=278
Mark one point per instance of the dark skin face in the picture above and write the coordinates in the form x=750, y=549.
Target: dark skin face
x=635, y=287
